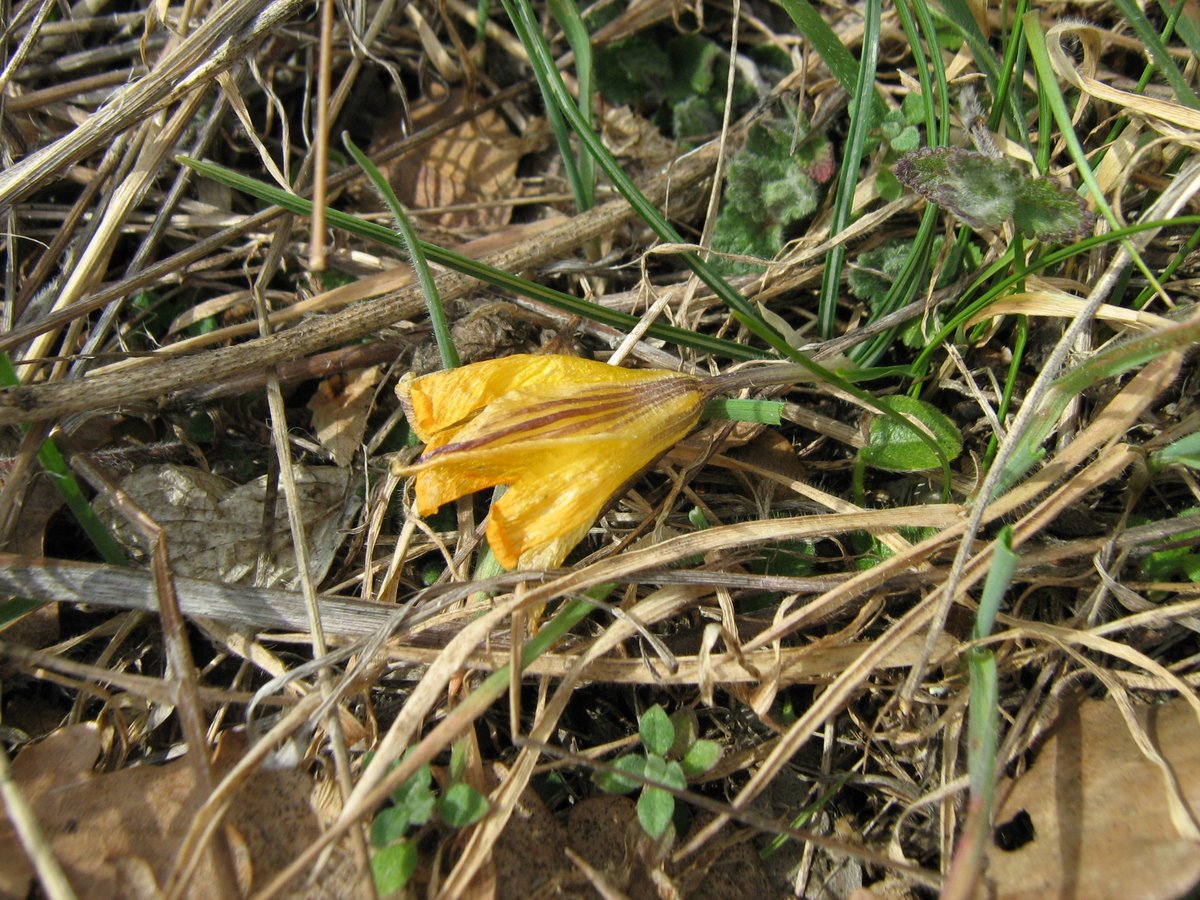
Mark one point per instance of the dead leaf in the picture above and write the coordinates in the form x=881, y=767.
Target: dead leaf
x=634, y=137
x=1090, y=817
x=117, y=834
x=340, y=408
x=213, y=525
x=472, y=163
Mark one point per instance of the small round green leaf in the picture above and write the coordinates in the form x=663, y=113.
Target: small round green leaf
x=461, y=805
x=389, y=824
x=687, y=729
x=656, y=730
x=655, y=808
x=897, y=447
x=613, y=783
x=700, y=757
x=415, y=796
x=392, y=866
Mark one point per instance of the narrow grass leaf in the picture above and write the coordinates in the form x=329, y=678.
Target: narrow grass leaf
x=465, y=265
x=1163, y=61
x=416, y=255
x=852, y=153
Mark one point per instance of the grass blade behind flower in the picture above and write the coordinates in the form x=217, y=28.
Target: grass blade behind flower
x=416, y=255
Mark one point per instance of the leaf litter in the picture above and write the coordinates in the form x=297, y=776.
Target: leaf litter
x=783, y=605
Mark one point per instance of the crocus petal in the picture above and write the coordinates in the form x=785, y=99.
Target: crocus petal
x=444, y=400
x=563, y=448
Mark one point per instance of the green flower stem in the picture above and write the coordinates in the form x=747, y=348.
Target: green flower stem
x=416, y=255
x=473, y=268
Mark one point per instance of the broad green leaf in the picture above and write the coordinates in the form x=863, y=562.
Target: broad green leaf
x=687, y=729
x=700, y=757
x=1185, y=451
x=389, y=825
x=986, y=192
x=393, y=866
x=1050, y=212
x=613, y=783
x=416, y=796
x=896, y=447
x=978, y=189
x=461, y=805
x=655, y=808
x=656, y=730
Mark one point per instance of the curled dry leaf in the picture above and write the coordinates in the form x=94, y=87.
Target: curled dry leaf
x=340, y=408
x=214, y=527
x=472, y=163
x=1090, y=818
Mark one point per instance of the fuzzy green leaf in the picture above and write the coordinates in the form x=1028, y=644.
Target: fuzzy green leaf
x=1050, y=212
x=655, y=809
x=986, y=192
x=700, y=758
x=392, y=866
x=895, y=447
x=461, y=805
x=614, y=783
x=978, y=189
x=656, y=730
x=687, y=729
x=768, y=190
x=655, y=806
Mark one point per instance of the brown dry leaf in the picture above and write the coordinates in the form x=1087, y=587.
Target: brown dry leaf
x=340, y=408
x=475, y=162
x=119, y=832
x=634, y=137
x=214, y=527
x=1094, y=812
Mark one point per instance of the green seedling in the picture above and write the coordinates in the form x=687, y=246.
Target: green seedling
x=769, y=189
x=673, y=753
x=675, y=80
x=1180, y=561
x=413, y=805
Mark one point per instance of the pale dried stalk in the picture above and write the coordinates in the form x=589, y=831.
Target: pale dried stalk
x=36, y=402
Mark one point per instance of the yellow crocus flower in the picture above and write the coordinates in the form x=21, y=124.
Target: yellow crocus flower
x=564, y=434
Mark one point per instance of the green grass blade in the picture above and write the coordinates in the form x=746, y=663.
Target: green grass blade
x=829, y=47
x=416, y=255
x=1159, y=53
x=860, y=123
x=958, y=14
x=1048, y=88
x=525, y=22
x=269, y=193
x=522, y=16
x=566, y=14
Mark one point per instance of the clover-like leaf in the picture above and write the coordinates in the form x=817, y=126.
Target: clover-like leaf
x=986, y=191
x=700, y=757
x=393, y=866
x=656, y=730
x=615, y=782
x=461, y=805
